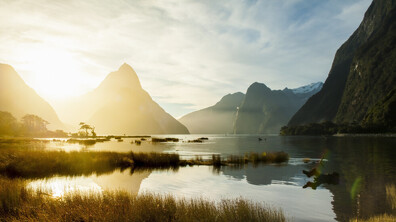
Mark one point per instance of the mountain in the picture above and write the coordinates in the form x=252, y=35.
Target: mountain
x=313, y=87
x=362, y=73
x=19, y=99
x=265, y=111
x=119, y=105
x=216, y=119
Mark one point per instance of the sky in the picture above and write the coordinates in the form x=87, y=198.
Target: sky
x=188, y=54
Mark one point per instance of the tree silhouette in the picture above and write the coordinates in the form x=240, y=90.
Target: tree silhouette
x=34, y=123
x=93, y=131
x=86, y=127
x=8, y=124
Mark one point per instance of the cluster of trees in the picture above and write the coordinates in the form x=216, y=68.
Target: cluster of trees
x=330, y=128
x=30, y=125
x=84, y=128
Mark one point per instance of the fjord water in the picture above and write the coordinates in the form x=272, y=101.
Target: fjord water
x=366, y=166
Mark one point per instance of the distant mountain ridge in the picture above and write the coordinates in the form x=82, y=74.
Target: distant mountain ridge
x=19, y=99
x=261, y=110
x=265, y=111
x=308, y=88
x=216, y=119
x=362, y=73
x=119, y=105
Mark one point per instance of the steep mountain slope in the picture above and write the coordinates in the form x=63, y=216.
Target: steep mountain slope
x=325, y=104
x=19, y=99
x=265, y=111
x=119, y=105
x=372, y=75
x=216, y=119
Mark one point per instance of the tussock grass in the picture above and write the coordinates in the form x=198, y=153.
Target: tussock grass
x=164, y=140
x=256, y=158
x=17, y=203
x=21, y=140
x=154, y=159
x=27, y=163
x=40, y=163
x=86, y=142
x=378, y=218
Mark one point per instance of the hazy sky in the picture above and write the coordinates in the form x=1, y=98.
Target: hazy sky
x=187, y=54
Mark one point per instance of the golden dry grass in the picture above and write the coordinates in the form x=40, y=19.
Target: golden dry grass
x=17, y=203
x=39, y=163
x=378, y=218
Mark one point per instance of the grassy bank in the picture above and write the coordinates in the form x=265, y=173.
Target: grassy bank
x=17, y=203
x=378, y=218
x=41, y=163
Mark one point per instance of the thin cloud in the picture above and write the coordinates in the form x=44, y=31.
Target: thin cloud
x=187, y=53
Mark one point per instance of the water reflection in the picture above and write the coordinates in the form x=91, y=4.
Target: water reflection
x=365, y=165
x=118, y=180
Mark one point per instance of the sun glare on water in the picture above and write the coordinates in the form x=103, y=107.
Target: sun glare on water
x=60, y=186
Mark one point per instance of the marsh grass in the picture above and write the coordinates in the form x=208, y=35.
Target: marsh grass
x=17, y=203
x=256, y=158
x=154, y=159
x=387, y=217
x=164, y=140
x=19, y=140
x=378, y=218
x=40, y=163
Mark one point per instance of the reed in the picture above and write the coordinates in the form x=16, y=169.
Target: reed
x=39, y=163
x=17, y=203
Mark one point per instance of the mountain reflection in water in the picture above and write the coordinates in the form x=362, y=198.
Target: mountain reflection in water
x=365, y=164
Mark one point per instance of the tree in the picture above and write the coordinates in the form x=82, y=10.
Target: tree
x=8, y=124
x=86, y=127
x=93, y=131
x=34, y=123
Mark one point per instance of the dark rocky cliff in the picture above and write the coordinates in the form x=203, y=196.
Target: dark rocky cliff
x=347, y=95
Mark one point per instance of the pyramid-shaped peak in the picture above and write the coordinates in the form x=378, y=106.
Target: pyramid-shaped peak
x=126, y=67
x=125, y=76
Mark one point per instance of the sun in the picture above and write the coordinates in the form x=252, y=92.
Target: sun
x=54, y=72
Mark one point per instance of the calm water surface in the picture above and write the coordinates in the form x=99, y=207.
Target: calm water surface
x=366, y=166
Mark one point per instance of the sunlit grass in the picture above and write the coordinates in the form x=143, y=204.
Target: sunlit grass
x=391, y=195
x=391, y=198
x=17, y=203
x=378, y=218
x=28, y=163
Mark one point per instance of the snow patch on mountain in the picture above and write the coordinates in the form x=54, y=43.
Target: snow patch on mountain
x=308, y=88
